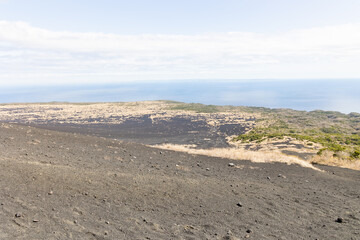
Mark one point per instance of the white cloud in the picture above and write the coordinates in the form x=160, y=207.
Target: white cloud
x=30, y=55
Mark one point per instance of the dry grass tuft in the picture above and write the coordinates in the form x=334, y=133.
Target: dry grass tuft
x=240, y=154
x=328, y=158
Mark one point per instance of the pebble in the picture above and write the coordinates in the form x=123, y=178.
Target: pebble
x=207, y=169
x=248, y=231
x=17, y=215
x=239, y=204
x=268, y=177
x=339, y=220
x=51, y=193
x=107, y=222
x=35, y=220
x=231, y=165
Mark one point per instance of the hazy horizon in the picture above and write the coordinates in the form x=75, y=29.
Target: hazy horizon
x=299, y=95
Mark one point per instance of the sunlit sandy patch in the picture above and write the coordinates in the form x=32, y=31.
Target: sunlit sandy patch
x=240, y=154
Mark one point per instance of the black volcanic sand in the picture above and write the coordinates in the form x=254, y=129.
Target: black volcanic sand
x=57, y=185
x=176, y=130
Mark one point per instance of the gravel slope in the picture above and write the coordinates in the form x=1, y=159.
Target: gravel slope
x=56, y=185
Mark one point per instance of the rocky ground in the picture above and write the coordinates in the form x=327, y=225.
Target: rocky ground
x=58, y=185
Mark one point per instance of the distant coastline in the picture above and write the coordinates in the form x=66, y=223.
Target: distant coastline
x=333, y=95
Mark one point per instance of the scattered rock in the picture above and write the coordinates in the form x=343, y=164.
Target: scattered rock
x=51, y=193
x=339, y=220
x=18, y=215
x=239, y=204
x=107, y=222
x=268, y=177
x=231, y=165
x=207, y=169
x=249, y=231
x=36, y=220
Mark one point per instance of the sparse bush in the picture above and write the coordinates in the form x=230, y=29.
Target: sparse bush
x=355, y=154
x=320, y=152
x=196, y=107
x=330, y=138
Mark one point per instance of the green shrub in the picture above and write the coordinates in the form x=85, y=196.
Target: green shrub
x=355, y=154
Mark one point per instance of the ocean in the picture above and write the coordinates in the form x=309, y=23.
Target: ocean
x=335, y=95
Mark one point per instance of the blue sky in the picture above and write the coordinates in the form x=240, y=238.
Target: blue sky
x=180, y=17
x=85, y=42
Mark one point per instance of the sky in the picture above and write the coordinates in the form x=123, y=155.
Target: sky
x=64, y=42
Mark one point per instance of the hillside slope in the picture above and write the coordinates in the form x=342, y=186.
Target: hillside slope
x=56, y=185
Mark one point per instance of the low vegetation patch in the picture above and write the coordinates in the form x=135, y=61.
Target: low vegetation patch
x=331, y=130
x=196, y=107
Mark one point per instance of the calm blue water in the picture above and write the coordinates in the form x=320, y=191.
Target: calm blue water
x=338, y=95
